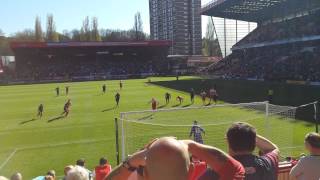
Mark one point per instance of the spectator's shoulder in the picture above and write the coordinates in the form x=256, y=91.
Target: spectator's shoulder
x=272, y=157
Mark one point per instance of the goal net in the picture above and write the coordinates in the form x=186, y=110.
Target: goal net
x=275, y=122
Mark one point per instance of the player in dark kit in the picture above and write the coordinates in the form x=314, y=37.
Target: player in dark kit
x=40, y=110
x=67, y=90
x=121, y=84
x=104, y=88
x=196, y=131
x=66, y=108
x=192, y=95
x=117, y=98
x=57, y=91
x=167, y=96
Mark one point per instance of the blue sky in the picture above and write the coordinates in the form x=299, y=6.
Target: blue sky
x=16, y=15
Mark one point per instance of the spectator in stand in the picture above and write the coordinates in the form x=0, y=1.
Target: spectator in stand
x=102, y=171
x=66, y=171
x=308, y=167
x=167, y=158
x=51, y=175
x=242, y=140
x=81, y=163
x=78, y=173
x=16, y=176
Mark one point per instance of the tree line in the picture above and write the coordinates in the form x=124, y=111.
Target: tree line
x=89, y=31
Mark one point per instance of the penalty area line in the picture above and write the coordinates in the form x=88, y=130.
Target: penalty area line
x=8, y=158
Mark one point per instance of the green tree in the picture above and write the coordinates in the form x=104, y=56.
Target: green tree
x=138, y=27
x=85, y=30
x=25, y=35
x=52, y=35
x=38, y=30
x=95, y=34
x=65, y=36
x=75, y=35
x=210, y=43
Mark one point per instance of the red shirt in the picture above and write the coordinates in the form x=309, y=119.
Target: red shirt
x=232, y=170
x=154, y=105
x=198, y=169
x=102, y=171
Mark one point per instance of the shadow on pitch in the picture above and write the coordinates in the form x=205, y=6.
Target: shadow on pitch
x=109, y=109
x=55, y=119
x=28, y=121
x=187, y=105
x=145, y=117
x=162, y=106
x=177, y=105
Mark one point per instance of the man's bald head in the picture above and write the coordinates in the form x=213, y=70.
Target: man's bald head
x=167, y=159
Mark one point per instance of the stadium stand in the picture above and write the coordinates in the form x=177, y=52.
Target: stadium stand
x=284, y=46
x=280, y=51
x=89, y=60
x=280, y=63
x=285, y=30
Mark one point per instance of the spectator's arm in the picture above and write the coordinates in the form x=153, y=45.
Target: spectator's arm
x=119, y=173
x=215, y=157
x=266, y=146
x=136, y=160
x=122, y=173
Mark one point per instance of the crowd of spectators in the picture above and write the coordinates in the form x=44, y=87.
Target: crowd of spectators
x=55, y=69
x=293, y=28
x=172, y=159
x=272, y=63
x=73, y=172
x=297, y=60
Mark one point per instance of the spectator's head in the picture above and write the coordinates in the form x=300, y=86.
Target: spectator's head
x=80, y=162
x=103, y=161
x=77, y=173
x=48, y=177
x=312, y=143
x=167, y=159
x=3, y=178
x=67, y=169
x=241, y=138
x=51, y=173
x=195, y=122
x=16, y=176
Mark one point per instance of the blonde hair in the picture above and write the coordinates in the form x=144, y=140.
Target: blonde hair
x=77, y=173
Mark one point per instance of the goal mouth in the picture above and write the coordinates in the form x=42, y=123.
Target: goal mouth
x=277, y=123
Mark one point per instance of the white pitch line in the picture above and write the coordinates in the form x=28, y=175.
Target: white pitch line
x=8, y=158
x=49, y=146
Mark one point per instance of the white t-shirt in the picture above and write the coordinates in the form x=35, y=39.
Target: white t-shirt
x=308, y=168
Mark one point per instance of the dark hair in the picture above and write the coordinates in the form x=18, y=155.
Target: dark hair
x=80, y=162
x=242, y=137
x=313, y=139
x=103, y=161
x=51, y=173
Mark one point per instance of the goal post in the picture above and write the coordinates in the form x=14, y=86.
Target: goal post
x=275, y=122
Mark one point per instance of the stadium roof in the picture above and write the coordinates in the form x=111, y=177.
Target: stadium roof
x=141, y=48
x=257, y=10
x=16, y=45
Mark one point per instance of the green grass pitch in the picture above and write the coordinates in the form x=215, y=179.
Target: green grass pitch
x=32, y=146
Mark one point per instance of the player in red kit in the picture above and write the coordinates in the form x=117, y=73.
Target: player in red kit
x=154, y=103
